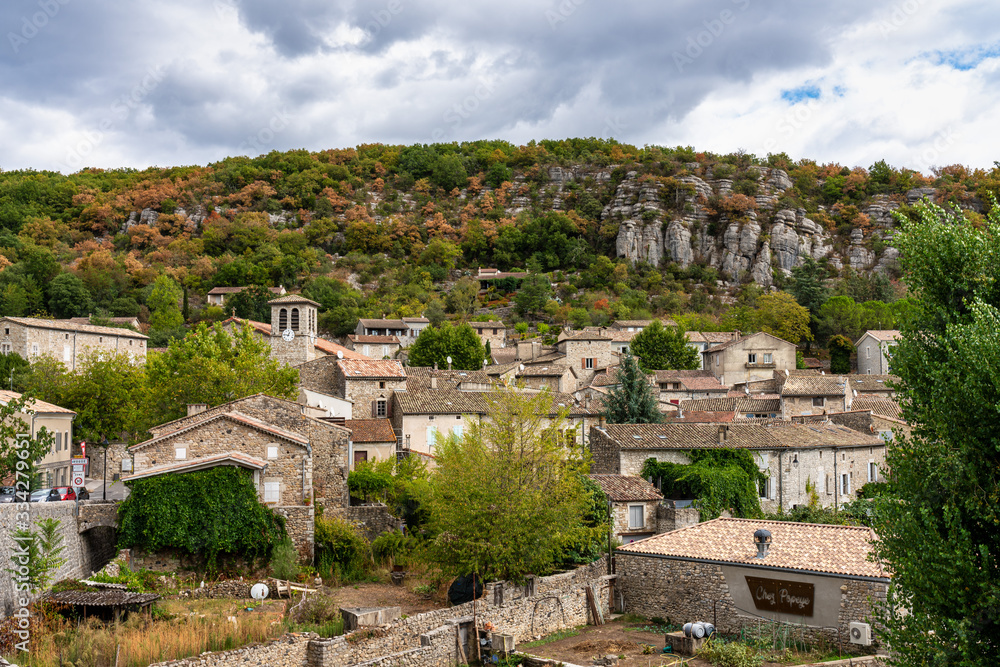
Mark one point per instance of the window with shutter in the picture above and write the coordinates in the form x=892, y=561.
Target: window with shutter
x=431, y=437
x=272, y=492
x=635, y=516
x=282, y=320
x=381, y=408
x=295, y=319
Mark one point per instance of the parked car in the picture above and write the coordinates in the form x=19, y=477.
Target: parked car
x=8, y=494
x=57, y=493
x=82, y=493
x=40, y=496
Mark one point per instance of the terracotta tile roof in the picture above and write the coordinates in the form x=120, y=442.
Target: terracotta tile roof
x=810, y=547
x=237, y=290
x=626, y=488
x=867, y=384
x=606, y=379
x=355, y=369
x=331, y=348
x=416, y=320
x=813, y=362
x=711, y=337
x=620, y=336
x=67, y=325
x=419, y=377
x=131, y=321
x=815, y=385
x=548, y=357
x=618, y=324
x=379, y=340
x=384, y=324
x=878, y=404
x=234, y=458
x=881, y=334
x=733, y=404
x=736, y=435
x=371, y=430
x=453, y=402
x=234, y=416
x=583, y=335
x=504, y=355
x=488, y=325
x=292, y=299
x=692, y=380
x=702, y=417
x=7, y=396
x=723, y=346
x=497, y=369
x=539, y=370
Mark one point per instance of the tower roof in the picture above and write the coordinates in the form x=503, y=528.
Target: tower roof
x=291, y=299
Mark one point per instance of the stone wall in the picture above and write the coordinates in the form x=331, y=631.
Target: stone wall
x=286, y=651
x=364, y=393
x=370, y=520
x=670, y=518
x=604, y=453
x=300, y=526
x=84, y=552
x=117, y=452
x=794, y=406
x=857, y=420
x=682, y=591
x=69, y=347
x=620, y=518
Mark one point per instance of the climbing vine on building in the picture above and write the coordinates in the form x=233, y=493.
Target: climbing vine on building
x=718, y=479
x=209, y=514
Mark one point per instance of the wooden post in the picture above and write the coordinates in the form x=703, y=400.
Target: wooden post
x=475, y=622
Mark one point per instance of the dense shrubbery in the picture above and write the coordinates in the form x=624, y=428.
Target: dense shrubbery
x=718, y=480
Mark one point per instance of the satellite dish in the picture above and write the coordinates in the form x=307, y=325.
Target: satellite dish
x=340, y=355
x=448, y=359
x=521, y=367
x=288, y=335
x=259, y=591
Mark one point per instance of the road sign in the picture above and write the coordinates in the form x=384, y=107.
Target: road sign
x=77, y=480
x=79, y=464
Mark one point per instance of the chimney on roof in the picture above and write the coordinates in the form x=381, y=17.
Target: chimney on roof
x=434, y=382
x=196, y=408
x=723, y=433
x=762, y=538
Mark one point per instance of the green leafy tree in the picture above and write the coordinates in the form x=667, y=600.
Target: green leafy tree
x=663, y=348
x=251, y=303
x=162, y=301
x=777, y=314
x=69, y=297
x=718, y=479
x=632, y=401
x=937, y=528
x=14, y=371
x=340, y=305
x=535, y=292
x=840, y=354
x=449, y=172
x=108, y=393
x=808, y=286
x=533, y=505
x=42, y=551
x=462, y=297
x=435, y=344
x=210, y=366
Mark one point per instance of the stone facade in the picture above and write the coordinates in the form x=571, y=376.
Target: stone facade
x=66, y=341
x=684, y=590
x=624, y=530
x=370, y=520
x=369, y=395
x=300, y=527
x=494, y=333
x=588, y=354
x=117, y=452
x=297, y=315
x=794, y=406
x=328, y=442
x=289, y=464
x=873, y=352
x=750, y=358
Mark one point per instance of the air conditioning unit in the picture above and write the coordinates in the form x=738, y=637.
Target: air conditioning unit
x=861, y=633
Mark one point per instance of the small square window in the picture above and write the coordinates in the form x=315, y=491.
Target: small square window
x=272, y=452
x=752, y=358
x=588, y=362
x=6, y=331
x=819, y=402
x=381, y=385
x=180, y=453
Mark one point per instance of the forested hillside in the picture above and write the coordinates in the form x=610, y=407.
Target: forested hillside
x=607, y=231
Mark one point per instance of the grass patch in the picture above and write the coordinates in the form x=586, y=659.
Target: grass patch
x=554, y=637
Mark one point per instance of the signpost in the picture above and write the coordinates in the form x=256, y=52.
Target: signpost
x=787, y=597
x=79, y=470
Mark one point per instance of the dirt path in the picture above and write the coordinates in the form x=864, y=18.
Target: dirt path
x=386, y=595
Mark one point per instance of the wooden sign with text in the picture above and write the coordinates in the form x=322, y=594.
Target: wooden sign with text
x=787, y=597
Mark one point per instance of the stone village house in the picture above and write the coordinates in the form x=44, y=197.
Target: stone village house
x=371, y=440
x=55, y=466
x=806, y=393
x=753, y=357
x=873, y=351
x=67, y=341
x=290, y=453
x=814, y=578
x=833, y=459
x=633, y=505
x=374, y=347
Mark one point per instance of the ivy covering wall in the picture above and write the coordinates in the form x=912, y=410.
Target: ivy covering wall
x=718, y=480
x=211, y=514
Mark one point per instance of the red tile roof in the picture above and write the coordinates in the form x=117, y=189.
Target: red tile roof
x=237, y=417
x=810, y=547
x=354, y=369
x=371, y=430
x=626, y=488
x=35, y=405
x=67, y=325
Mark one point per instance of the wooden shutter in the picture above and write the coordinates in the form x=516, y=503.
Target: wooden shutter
x=374, y=409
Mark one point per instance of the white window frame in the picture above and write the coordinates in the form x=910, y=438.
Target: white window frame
x=845, y=484
x=751, y=357
x=588, y=363
x=872, y=471
x=764, y=491
x=272, y=492
x=272, y=451
x=180, y=453
x=768, y=358
x=642, y=516
x=34, y=349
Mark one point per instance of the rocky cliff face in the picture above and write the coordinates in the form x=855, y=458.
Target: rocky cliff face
x=763, y=242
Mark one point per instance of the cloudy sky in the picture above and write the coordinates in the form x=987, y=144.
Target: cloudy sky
x=110, y=83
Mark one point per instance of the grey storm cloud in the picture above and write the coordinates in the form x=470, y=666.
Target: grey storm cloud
x=401, y=70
